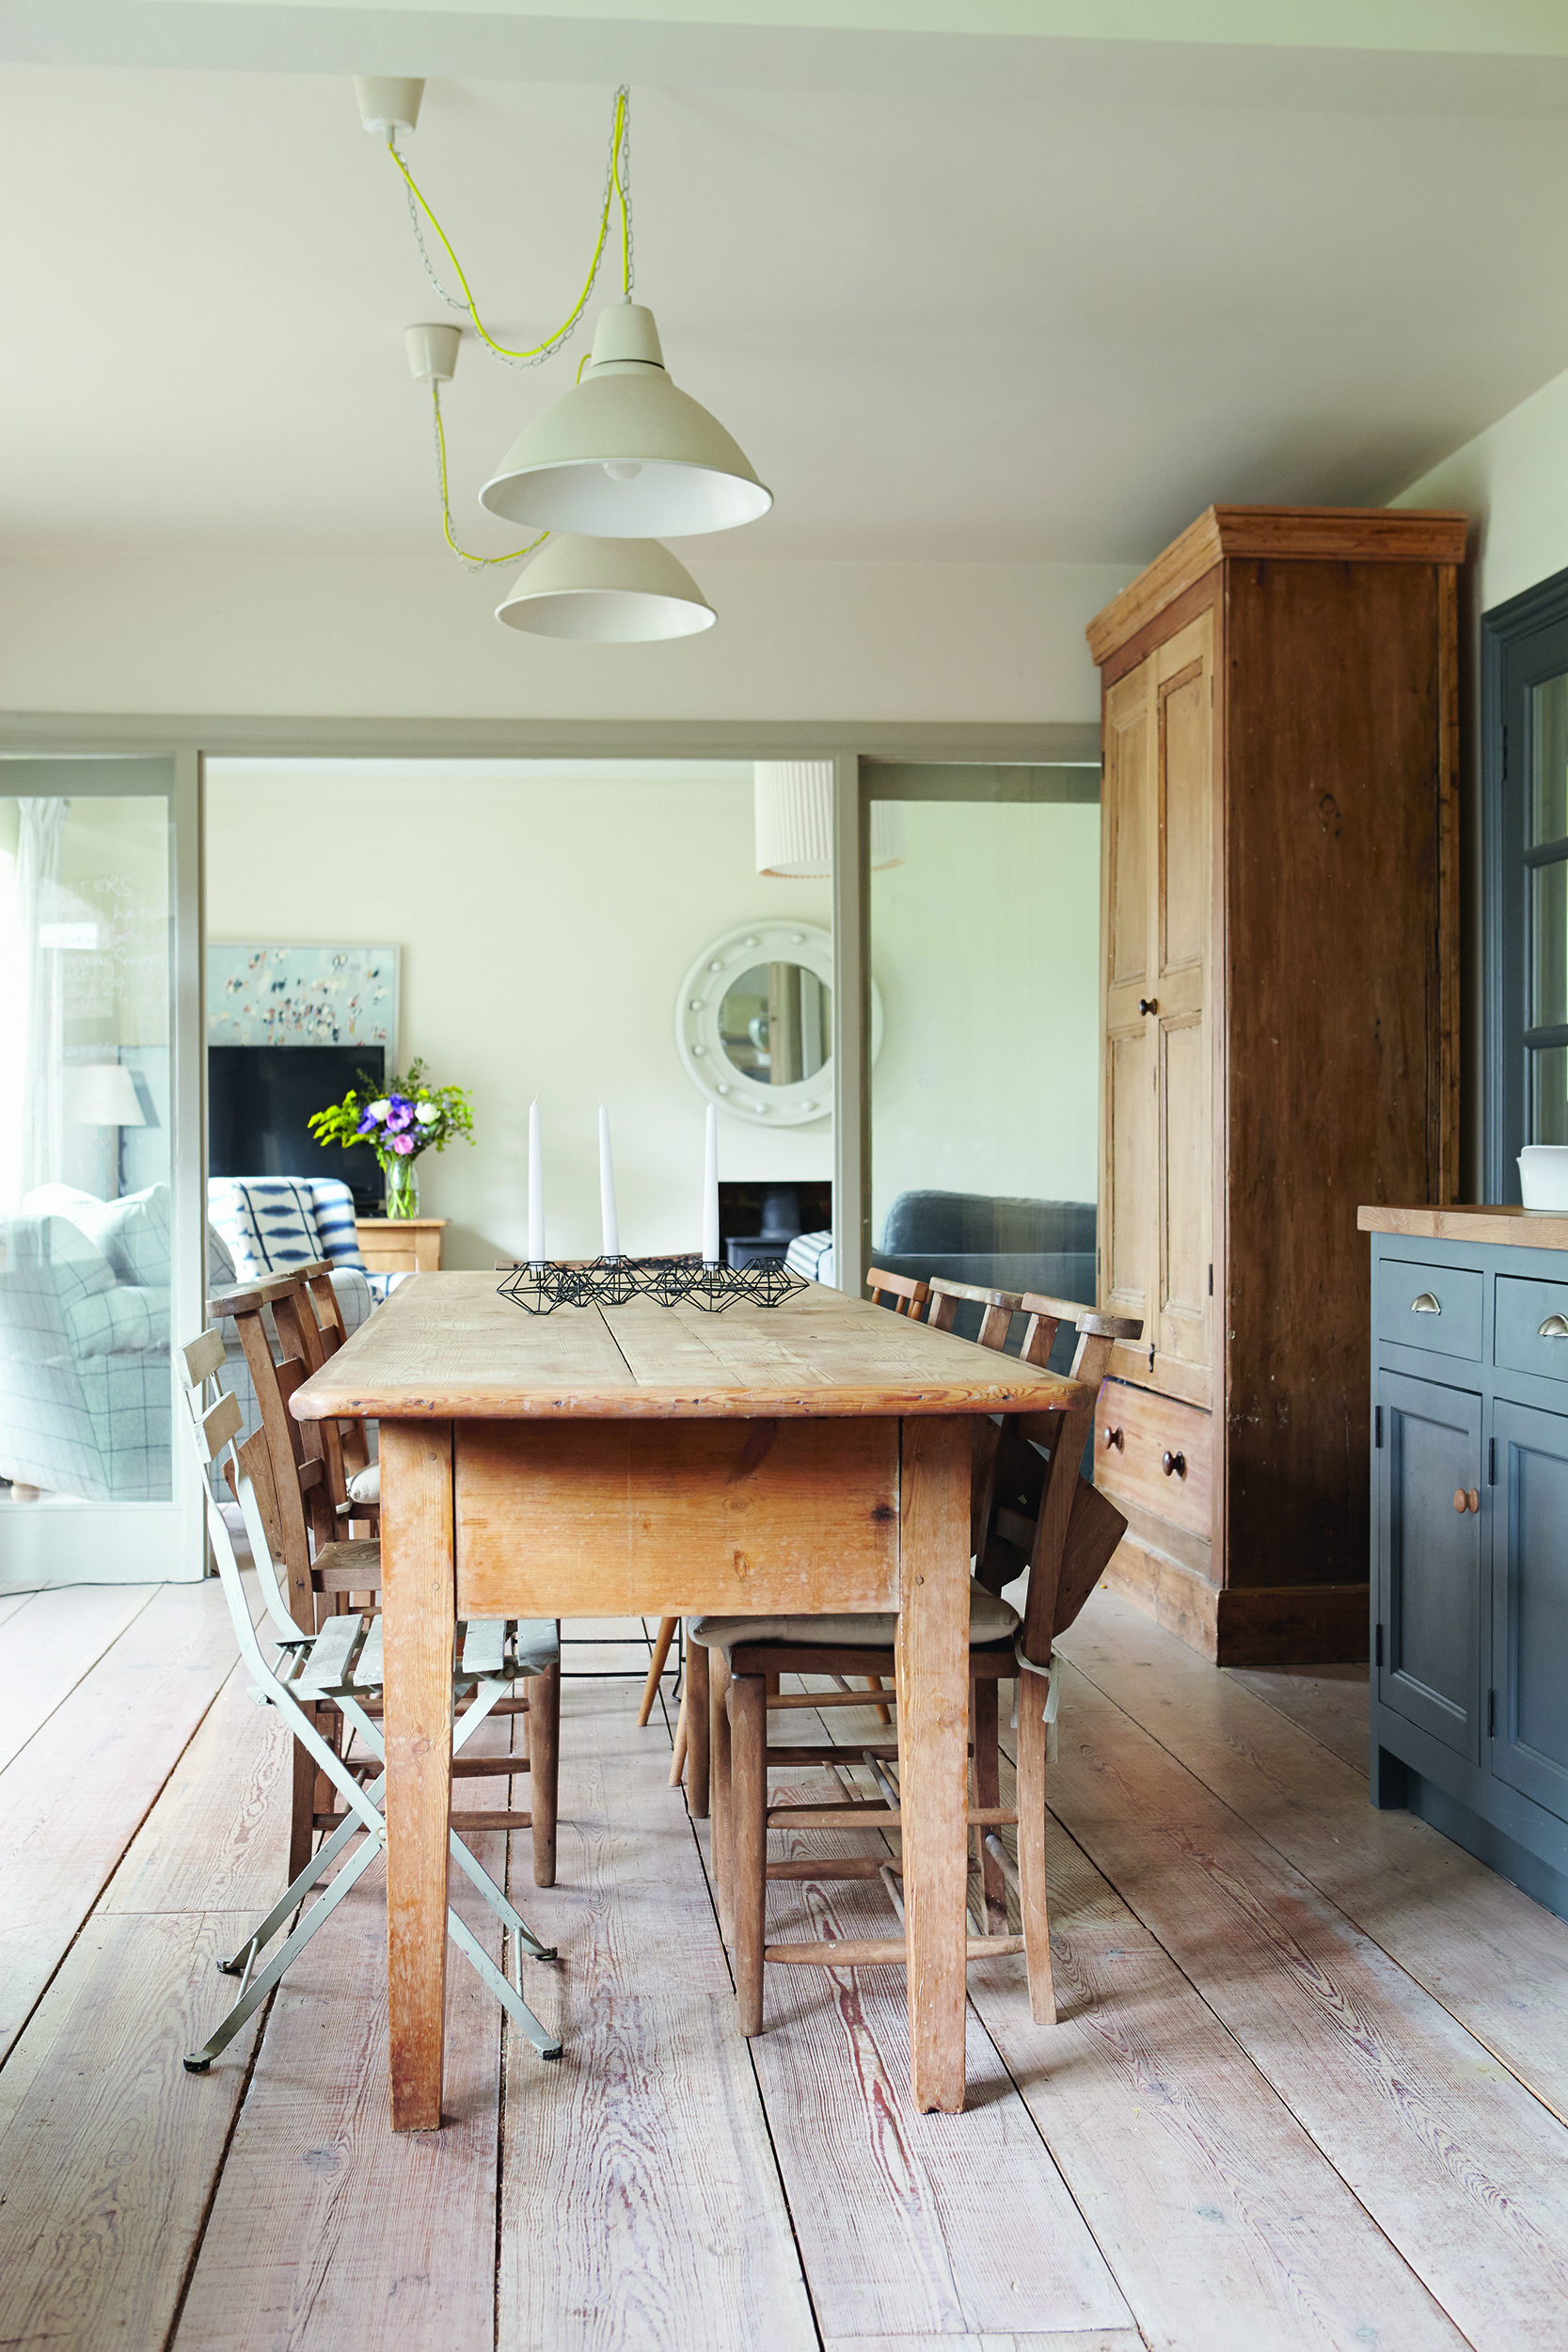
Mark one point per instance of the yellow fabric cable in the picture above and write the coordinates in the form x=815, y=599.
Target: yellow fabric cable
x=612, y=188
x=479, y=563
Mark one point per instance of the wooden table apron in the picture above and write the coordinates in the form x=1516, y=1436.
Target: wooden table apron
x=555, y=1510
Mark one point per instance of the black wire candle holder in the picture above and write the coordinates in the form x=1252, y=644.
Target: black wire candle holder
x=541, y=1286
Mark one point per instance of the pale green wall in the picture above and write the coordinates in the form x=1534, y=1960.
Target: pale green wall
x=985, y=947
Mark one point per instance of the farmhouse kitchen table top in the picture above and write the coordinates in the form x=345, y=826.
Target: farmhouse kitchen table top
x=447, y=1345
x=652, y=1460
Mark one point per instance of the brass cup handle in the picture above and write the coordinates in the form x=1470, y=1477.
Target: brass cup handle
x=1173, y=1465
x=1553, y=1329
x=1467, y=1499
x=1424, y=1304
x=1148, y=1004
x=1114, y=1437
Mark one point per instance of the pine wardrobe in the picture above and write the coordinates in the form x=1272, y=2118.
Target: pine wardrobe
x=1279, y=1042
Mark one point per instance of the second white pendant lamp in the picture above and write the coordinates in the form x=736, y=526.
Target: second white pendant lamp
x=625, y=454
x=606, y=592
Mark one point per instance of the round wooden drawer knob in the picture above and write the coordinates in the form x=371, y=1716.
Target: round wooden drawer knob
x=1467, y=1499
x=1114, y=1437
x=1173, y=1465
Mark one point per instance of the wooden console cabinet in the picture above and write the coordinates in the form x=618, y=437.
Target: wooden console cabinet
x=401, y=1245
x=1279, y=1002
x=1469, y=1505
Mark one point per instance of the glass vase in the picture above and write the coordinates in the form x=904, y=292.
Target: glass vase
x=403, y=1188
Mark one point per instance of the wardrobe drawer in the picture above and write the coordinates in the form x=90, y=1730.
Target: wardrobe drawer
x=1437, y=1308
x=1532, y=1327
x=1136, y=1433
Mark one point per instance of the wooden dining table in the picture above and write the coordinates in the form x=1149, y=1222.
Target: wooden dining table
x=651, y=1460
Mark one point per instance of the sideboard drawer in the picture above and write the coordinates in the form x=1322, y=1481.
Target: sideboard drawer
x=1526, y=1338
x=1437, y=1308
x=1136, y=1432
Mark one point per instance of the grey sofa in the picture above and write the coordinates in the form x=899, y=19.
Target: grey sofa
x=995, y=1242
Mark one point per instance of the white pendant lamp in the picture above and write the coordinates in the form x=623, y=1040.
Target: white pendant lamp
x=606, y=592
x=794, y=821
x=625, y=454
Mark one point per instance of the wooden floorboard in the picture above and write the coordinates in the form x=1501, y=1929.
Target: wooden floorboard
x=1465, y=2172
x=1278, y=2110
x=1226, y=2228
x=908, y=2224
x=1076, y=2339
x=108, y=2149
x=1332, y=1702
x=330, y=2230
x=49, y=1645
x=1496, y=1960
x=642, y=2207
x=71, y=1802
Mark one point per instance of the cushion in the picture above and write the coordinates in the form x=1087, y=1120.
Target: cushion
x=334, y=1206
x=75, y=1268
x=990, y=1619
x=133, y=1233
x=59, y=1201
x=269, y=1223
x=106, y=1322
x=365, y=1485
x=812, y=1254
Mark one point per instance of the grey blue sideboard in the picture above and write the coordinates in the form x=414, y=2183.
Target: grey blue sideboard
x=1470, y=1535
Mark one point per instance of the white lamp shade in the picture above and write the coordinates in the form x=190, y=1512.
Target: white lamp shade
x=794, y=821
x=624, y=454
x=606, y=592
x=101, y=1094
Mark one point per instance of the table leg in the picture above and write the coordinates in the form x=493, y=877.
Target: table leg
x=932, y=1657
x=418, y=1604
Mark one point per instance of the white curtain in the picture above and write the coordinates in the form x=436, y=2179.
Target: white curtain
x=32, y=1076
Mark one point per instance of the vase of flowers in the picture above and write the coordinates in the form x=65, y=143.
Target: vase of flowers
x=410, y=1117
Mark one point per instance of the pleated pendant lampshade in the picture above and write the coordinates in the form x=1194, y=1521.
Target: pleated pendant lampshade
x=794, y=819
x=624, y=454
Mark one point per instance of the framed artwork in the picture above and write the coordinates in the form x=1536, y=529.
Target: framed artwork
x=262, y=995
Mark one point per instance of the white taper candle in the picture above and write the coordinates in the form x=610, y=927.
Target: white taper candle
x=535, y=1190
x=607, y=1190
x=710, y=1190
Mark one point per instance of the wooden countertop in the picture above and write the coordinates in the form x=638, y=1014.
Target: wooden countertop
x=1521, y=1229
x=447, y=1347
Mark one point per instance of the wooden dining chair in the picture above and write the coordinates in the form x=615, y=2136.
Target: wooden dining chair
x=907, y=1296
x=1030, y=1511
x=328, y=1575
x=690, y=1760
x=334, y=1670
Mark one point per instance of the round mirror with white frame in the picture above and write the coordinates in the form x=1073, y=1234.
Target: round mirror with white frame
x=755, y=1022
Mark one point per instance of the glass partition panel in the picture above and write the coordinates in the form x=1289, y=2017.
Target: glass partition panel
x=984, y=1095
x=87, y=1157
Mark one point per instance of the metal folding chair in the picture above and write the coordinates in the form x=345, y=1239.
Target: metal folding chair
x=341, y=1666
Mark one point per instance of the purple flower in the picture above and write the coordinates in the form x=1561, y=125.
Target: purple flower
x=400, y=1115
x=401, y=1143
x=367, y=1125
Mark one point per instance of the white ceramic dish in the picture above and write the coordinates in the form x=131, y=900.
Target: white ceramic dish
x=1543, y=1176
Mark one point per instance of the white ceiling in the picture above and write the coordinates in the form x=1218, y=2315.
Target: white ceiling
x=1041, y=307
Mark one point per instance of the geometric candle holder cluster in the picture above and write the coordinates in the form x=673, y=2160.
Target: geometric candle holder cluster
x=539, y=1289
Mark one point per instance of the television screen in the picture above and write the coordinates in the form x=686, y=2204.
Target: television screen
x=259, y=1102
